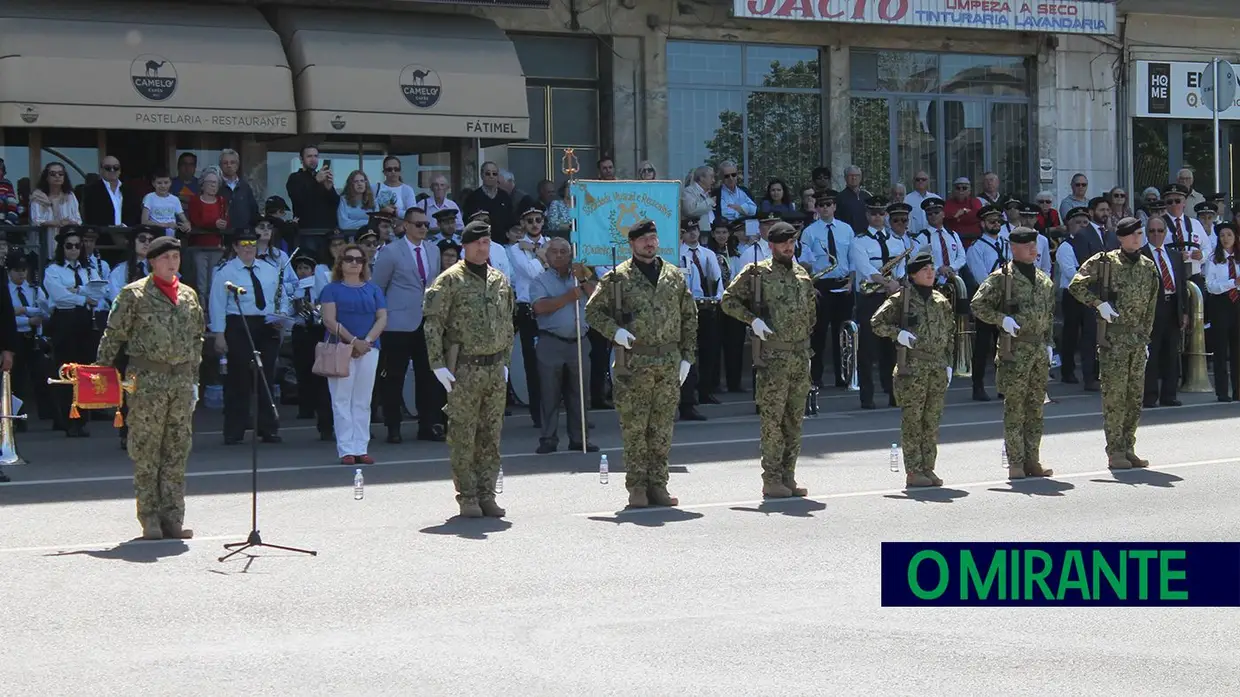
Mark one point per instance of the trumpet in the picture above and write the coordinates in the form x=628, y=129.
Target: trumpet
x=831, y=266
x=311, y=313
x=8, y=444
x=957, y=295
x=848, y=354
x=885, y=272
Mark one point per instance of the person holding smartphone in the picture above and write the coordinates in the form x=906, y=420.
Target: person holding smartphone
x=313, y=192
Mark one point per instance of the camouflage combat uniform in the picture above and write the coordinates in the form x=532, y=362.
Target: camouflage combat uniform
x=663, y=318
x=789, y=309
x=460, y=308
x=1022, y=379
x=921, y=388
x=164, y=345
x=1135, y=284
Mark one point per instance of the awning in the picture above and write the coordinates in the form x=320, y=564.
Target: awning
x=403, y=74
x=153, y=66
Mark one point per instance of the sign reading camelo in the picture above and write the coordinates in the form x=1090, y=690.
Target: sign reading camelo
x=154, y=77
x=420, y=85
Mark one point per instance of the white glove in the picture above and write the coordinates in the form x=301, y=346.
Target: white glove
x=193, y=403
x=949, y=375
x=684, y=371
x=505, y=373
x=1010, y=326
x=1050, y=353
x=906, y=338
x=1107, y=313
x=445, y=378
x=624, y=338
x=1147, y=352
x=760, y=329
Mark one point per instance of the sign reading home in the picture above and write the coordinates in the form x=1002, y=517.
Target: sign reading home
x=1059, y=17
x=1172, y=90
x=153, y=76
x=420, y=85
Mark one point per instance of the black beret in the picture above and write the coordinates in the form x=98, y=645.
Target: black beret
x=1224, y=225
x=899, y=208
x=1174, y=190
x=1127, y=226
x=920, y=260
x=988, y=211
x=1023, y=235
x=1078, y=211
x=445, y=213
x=877, y=203
x=475, y=231
x=824, y=196
x=781, y=232
x=1093, y=202
x=642, y=228
x=16, y=261
x=1206, y=207
x=933, y=202
x=162, y=245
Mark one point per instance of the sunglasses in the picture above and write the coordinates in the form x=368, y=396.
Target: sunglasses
x=1045, y=201
x=144, y=239
x=418, y=224
x=247, y=243
x=56, y=173
x=1174, y=201
x=646, y=170
x=921, y=179
x=1080, y=183
x=73, y=245
x=899, y=219
x=111, y=168
x=391, y=169
x=962, y=187
x=350, y=259
x=532, y=219
x=1119, y=195
x=731, y=175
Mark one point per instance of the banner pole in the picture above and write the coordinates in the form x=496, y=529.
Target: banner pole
x=570, y=167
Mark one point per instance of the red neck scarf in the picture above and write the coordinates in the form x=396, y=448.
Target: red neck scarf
x=168, y=288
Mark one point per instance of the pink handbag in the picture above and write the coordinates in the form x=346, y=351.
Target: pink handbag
x=331, y=358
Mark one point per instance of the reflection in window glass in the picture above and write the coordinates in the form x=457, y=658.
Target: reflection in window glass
x=692, y=63
x=963, y=126
x=871, y=140
x=529, y=165
x=279, y=166
x=1199, y=154
x=1009, y=147
x=418, y=170
x=1004, y=76
x=536, y=101
x=783, y=137
x=908, y=72
x=574, y=116
x=704, y=126
x=917, y=146
x=16, y=155
x=1150, y=154
x=771, y=66
x=562, y=57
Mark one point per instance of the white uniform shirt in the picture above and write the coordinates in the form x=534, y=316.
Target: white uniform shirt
x=941, y=239
x=698, y=283
x=1218, y=276
x=1193, y=233
x=526, y=266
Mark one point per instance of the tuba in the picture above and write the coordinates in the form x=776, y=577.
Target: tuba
x=8, y=444
x=848, y=352
x=958, y=295
x=1195, y=377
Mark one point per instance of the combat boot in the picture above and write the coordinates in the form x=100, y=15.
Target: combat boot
x=151, y=529
x=173, y=531
x=1037, y=470
x=775, y=490
x=637, y=497
x=1136, y=461
x=1117, y=461
x=934, y=478
x=1016, y=472
x=470, y=509
x=658, y=496
x=917, y=480
x=491, y=509
x=791, y=483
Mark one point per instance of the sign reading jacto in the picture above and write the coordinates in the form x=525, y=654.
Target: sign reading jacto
x=1063, y=16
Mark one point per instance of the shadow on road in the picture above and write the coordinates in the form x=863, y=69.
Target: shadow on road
x=1147, y=477
x=1036, y=487
x=136, y=551
x=468, y=528
x=649, y=517
x=793, y=508
x=935, y=495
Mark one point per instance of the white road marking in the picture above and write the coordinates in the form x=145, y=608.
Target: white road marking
x=514, y=456
x=108, y=546
x=902, y=490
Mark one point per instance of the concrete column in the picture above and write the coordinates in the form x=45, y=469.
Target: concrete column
x=627, y=116
x=1046, y=123
x=839, y=112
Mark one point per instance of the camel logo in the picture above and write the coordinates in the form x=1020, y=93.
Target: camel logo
x=153, y=77
x=338, y=123
x=420, y=85
x=30, y=114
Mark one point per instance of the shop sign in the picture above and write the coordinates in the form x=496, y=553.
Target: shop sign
x=248, y=123
x=1172, y=90
x=154, y=77
x=420, y=85
x=1055, y=17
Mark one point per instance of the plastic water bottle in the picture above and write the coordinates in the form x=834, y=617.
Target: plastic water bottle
x=223, y=365
x=895, y=457
x=602, y=469
x=1004, y=457
x=499, y=481
x=358, y=493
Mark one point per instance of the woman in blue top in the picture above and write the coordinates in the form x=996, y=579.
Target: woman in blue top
x=355, y=311
x=778, y=198
x=356, y=200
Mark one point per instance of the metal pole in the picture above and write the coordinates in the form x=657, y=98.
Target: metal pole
x=1217, y=154
x=571, y=167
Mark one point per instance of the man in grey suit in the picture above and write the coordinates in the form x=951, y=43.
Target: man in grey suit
x=404, y=270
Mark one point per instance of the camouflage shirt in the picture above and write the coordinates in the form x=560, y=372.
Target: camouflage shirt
x=1033, y=304
x=657, y=314
x=461, y=308
x=789, y=304
x=147, y=325
x=1134, y=286
x=931, y=321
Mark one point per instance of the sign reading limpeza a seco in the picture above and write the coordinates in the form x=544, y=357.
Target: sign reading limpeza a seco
x=1059, y=17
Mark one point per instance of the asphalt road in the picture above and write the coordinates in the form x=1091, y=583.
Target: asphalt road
x=727, y=595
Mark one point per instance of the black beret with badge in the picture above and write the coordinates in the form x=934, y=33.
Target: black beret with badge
x=781, y=232
x=1127, y=226
x=920, y=260
x=162, y=245
x=475, y=231
x=1023, y=235
x=642, y=228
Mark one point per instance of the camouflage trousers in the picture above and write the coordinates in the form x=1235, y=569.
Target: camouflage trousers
x=475, y=416
x=646, y=401
x=920, y=391
x=780, y=395
x=161, y=435
x=1123, y=385
x=1022, y=382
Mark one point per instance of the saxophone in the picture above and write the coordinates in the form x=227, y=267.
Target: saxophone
x=873, y=287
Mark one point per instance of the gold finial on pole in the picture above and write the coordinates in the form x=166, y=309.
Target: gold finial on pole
x=569, y=164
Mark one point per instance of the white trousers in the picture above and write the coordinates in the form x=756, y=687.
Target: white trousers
x=351, y=405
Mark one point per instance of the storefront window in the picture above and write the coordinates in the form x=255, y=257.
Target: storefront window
x=77, y=149
x=562, y=95
x=759, y=106
x=949, y=115
x=1151, y=156
x=15, y=151
x=280, y=164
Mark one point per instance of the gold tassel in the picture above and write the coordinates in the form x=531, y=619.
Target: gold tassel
x=74, y=413
x=118, y=421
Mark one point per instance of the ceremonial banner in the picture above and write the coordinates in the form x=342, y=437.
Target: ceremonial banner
x=605, y=210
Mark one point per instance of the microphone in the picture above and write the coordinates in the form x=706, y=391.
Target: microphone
x=234, y=288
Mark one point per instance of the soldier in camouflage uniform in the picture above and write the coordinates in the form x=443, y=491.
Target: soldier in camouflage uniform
x=927, y=338
x=158, y=322
x=783, y=322
x=656, y=324
x=1128, y=309
x=468, y=311
x=1021, y=376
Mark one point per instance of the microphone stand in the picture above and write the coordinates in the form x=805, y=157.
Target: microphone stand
x=256, y=360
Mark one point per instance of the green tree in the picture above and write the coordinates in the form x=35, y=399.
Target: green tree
x=784, y=138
